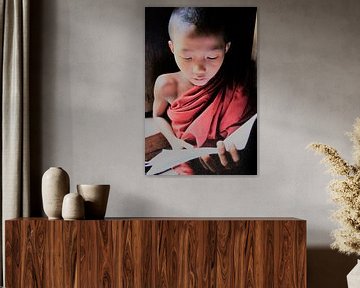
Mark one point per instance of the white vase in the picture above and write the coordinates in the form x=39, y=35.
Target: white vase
x=73, y=207
x=55, y=185
x=353, y=278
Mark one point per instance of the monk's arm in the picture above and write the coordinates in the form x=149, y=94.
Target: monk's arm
x=163, y=88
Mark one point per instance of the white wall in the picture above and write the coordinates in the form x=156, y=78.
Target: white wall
x=92, y=105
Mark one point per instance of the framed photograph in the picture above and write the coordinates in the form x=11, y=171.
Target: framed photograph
x=200, y=91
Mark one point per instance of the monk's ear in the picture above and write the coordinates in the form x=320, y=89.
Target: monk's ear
x=171, y=45
x=227, y=46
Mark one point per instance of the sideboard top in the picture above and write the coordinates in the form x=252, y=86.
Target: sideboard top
x=173, y=219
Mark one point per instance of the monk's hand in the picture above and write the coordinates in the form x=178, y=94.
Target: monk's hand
x=224, y=160
x=177, y=143
x=228, y=159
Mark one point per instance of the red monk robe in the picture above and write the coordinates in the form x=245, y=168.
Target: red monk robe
x=206, y=114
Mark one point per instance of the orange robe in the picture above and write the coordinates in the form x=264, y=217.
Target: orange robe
x=206, y=114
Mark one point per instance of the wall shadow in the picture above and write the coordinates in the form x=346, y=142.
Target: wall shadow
x=328, y=268
x=35, y=64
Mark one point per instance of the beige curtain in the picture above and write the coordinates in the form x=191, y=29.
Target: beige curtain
x=14, y=25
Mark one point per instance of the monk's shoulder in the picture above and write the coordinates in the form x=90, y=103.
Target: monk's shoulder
x=166, y=85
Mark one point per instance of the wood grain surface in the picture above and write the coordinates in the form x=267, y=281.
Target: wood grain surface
x=149, y=252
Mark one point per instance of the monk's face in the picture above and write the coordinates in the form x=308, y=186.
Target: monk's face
x=199, y=57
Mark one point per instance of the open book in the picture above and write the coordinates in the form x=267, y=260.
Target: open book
x=167, y=159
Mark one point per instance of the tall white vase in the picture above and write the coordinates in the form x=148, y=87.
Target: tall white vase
x=55, y=185
x=353, y=278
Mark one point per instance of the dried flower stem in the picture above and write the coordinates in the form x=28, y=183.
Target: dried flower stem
x=345, y=191
x=355, y=138
x=337, y=165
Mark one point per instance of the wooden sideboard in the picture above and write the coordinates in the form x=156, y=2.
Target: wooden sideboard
x=156, y=252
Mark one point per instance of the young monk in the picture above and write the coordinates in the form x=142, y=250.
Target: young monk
x=202, y=107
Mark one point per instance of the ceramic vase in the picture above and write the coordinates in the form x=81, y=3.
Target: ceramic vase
x=55, y=185
x=96, y=198
x=73, y=207
x=353, y=278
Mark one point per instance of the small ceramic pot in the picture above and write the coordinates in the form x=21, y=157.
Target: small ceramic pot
x=54, y=186
x=73, y=207
x=96, y=198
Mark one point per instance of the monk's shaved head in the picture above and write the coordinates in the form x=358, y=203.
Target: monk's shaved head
x=204, y=21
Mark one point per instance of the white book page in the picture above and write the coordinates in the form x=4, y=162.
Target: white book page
x=167, y=159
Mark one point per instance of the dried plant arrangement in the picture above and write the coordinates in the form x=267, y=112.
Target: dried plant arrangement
x=345, y=192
